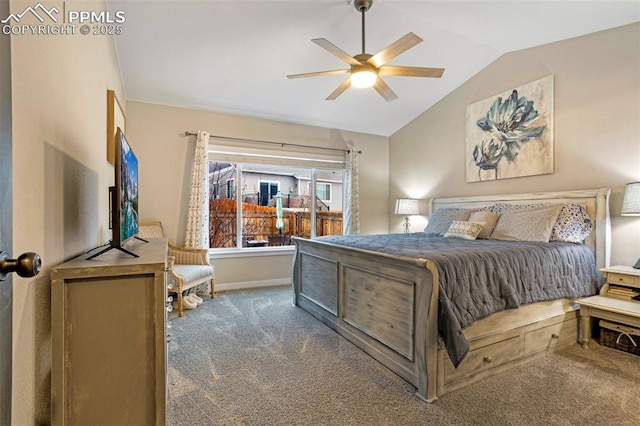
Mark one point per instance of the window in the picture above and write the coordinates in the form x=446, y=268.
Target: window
x=231, y=189
x=268, y=190
x=248, y=206
x=215, y=191
x=323, y=191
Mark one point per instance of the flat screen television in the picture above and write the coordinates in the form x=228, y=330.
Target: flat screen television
x=123, y=196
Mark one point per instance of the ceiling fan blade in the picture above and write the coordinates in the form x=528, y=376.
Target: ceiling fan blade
x=384, y=90
x=314, y=74
x=394, y=49
x=335, y=50
x=344, y=86
x=410, y=71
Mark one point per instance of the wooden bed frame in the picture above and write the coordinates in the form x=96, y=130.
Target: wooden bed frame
x=387, y=305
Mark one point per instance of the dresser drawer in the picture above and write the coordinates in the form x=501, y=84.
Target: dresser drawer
x=548, y=337
x=484, y=358
x=622, y=279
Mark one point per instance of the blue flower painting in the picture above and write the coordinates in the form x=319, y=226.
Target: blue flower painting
x=511, y=135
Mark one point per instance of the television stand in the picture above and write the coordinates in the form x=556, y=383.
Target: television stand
x=122, y=249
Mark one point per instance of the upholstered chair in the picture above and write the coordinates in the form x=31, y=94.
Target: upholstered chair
x=188, y=267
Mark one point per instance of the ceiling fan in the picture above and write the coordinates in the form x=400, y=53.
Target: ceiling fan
x=366, y=70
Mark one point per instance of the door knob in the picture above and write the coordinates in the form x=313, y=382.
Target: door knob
x=26, y=265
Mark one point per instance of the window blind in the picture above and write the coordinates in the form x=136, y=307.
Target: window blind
x=276, y=156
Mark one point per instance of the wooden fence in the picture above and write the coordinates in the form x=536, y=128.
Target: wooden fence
x=327, y=223
x=257, y=227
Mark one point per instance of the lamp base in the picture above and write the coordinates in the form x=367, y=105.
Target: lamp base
x=406, y=224
x=637, y=265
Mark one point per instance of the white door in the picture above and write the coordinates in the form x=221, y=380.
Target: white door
x=26, y=265
x=5, y=222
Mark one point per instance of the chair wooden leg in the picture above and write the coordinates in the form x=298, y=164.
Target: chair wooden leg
x=211, y=285
x=179, y=303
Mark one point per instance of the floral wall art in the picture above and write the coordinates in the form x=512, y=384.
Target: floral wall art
x=511, y=134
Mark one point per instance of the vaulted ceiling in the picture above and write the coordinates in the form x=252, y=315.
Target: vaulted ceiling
x=233, y=56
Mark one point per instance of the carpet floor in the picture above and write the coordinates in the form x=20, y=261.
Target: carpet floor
x=251, y=358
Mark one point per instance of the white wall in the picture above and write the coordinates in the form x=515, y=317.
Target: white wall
x=60, y=184
x=597, y=129
x=165, y=160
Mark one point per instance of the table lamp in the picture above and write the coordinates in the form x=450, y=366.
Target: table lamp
x=631, y=204
x=406, y=206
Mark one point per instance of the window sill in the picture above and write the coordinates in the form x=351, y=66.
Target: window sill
x=251, y=252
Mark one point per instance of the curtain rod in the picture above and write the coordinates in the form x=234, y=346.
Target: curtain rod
x=187, y=133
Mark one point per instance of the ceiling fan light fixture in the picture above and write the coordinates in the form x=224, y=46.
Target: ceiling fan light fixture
x=365, y=67
x=364, y=78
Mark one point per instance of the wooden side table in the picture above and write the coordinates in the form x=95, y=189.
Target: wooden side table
x=616, y=301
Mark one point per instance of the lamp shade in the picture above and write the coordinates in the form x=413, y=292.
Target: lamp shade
x=407, y=206
x=631, y=201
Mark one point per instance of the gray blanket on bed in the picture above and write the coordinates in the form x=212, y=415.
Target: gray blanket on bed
x=481, y=277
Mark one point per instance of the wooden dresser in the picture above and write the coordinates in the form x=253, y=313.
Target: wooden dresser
x=109, y=350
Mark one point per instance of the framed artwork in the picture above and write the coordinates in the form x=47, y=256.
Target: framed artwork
x=511, y=134
x=115, y=119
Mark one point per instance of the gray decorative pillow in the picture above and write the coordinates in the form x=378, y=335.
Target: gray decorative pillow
x=465, y=230
x=527, y=224
x=489, y=218
x=500, y=207
x=485, y=209
x=573, y=224
x=441, y=219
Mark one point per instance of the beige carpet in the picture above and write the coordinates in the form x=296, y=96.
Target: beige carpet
x=251, y=358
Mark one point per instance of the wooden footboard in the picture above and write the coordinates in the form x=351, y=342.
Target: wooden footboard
x=386, y=305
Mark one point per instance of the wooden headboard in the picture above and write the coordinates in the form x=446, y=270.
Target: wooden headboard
x=595, y=200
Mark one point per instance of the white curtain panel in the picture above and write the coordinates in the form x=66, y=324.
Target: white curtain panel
x=352, y=196
x=197, y=235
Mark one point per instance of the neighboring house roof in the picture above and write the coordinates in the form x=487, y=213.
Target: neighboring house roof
x=296, y=172
x=275, y=170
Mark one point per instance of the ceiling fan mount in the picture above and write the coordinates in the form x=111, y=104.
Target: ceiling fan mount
x=362, y=57
x=366, y=69
x=362, y=5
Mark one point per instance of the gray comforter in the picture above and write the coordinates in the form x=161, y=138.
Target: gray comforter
x=481, y=277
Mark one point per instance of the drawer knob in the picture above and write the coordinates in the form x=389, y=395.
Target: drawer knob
x=487, y=359
x=555, y=336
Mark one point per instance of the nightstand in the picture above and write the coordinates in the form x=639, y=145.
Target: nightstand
x=616, y=302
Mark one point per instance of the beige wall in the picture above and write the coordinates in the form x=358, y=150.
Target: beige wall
x=597, y=128
x=61, y=175
x=60, y=184
x=233, y=273
x=165, y=171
